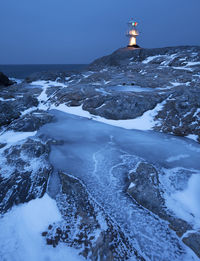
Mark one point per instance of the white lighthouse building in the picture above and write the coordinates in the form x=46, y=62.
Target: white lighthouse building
x=132, y=34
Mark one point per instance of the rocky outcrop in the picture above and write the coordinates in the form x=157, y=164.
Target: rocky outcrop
x=148, y=77
x=123, y=85
x=193, y=241
x=7, y=113
x=120, y=57
x=146, y=189
x=45, y=76
x=24, y=173
x=162, y=74
x=12, y=106
x=121, y=106
x=4, y=80
x=181, y=113
x=86, y=227
x=31, y=122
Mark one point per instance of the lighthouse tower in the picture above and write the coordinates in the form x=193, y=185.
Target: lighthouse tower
x=132, y=34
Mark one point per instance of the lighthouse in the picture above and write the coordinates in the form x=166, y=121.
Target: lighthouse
x=132, y=34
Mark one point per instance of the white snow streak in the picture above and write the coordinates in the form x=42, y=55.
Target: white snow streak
x=12, y=137
x=150, y=58
x=144, y=122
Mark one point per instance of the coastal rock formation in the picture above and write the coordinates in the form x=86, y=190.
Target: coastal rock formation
x=121, y=56
x=147, y=189
x=24, y=173
x=85, y=226
x=32, y=121
x=4, y=80
x=128, y=83
x=193, y=241
x=145, y=89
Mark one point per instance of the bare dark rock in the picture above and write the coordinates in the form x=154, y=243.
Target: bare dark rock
x=8, y=113
x=44, y=234
x=145, y=189
x=193, y=241
x=4, y=80
x=120, y=106
x=46, y=76
x=12, y=110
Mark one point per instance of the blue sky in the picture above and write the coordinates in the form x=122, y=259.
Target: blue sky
x=78, y=31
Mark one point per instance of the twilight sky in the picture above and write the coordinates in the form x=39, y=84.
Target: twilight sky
x=78, y=31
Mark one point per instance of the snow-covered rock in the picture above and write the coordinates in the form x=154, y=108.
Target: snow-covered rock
x=116, y=197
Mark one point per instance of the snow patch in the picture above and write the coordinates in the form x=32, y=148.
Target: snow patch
x=197, y=112
x=18, y=81
x=48, y=83
x=88, y=74
x=185, y=204
x=106, y=82
x=176, y=83
x=21, y=228
x=168, y=59
x=192, y=63
x=183, y=68
x=150, y=58
x=5, y=100
x=132, y=185
x=12, y=137
x=43, y=98
x=144, y=122
x=29, y=110
x=78, y=110
x=192, y=137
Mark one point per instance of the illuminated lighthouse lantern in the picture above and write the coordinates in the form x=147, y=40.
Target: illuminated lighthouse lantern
x=132, y=34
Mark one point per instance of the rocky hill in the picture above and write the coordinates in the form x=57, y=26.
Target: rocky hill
x=171, y=72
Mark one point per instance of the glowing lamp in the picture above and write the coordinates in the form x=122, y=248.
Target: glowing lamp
x=132, y=34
